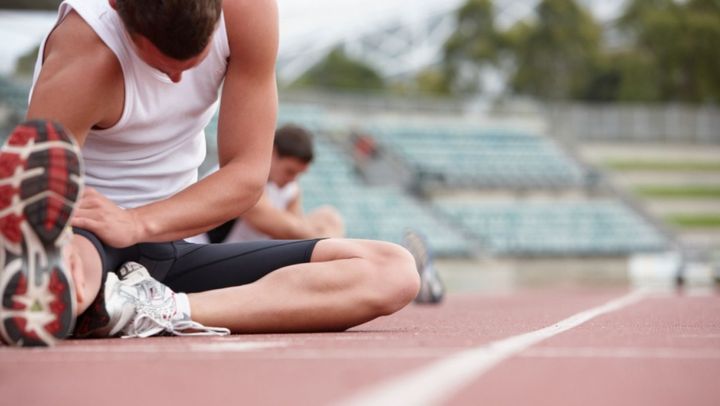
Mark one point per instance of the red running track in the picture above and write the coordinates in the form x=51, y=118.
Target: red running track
x=538, y=347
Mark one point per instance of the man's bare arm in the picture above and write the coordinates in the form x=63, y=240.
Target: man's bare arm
x=295, y=205
x=277, y=223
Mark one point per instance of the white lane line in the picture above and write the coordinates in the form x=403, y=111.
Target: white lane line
x=440, y=380
x=643, y=353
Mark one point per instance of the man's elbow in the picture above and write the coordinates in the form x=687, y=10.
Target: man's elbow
x=254, y=190
x=242, y=198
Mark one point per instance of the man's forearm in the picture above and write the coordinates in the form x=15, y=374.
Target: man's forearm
x=207, y=203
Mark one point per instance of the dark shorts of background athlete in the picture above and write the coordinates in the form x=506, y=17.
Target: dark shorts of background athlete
x=188, y=267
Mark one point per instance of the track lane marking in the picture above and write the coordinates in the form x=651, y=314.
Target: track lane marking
x=440, y=380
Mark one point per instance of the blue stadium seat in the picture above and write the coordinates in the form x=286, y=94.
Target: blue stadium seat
x=467, y=156
x=595, y=227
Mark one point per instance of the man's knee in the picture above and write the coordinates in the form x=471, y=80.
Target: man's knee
x=394, y=278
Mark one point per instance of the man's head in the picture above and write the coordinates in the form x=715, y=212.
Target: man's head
x=292, y=154
x=170, y=35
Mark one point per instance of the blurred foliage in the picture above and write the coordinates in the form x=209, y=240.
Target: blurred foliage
x=340, y=72
x=679, y=192
x=432, y=81
x=30, y=4
x=668, y=52
x=476, y=40
x=25, y=65
x=663, y=166
x=554, y=55
x=682, y=39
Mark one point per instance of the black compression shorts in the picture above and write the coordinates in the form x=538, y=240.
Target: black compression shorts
x=188, y=267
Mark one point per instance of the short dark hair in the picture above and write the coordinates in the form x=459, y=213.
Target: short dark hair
x=295, y=142
x=180, y=29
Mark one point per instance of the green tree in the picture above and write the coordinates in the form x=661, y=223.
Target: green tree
x=433, y=81
x=624, y=75
x=474, y=43
x=340, y=72
x=556, y=54
x=682, y=39
x=552, y=56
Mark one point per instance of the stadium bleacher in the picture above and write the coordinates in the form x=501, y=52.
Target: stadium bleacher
x=469, y=158
x=592, y=227
x=13, y=104
x=13, y=94
x=380, y=213
x=463, y=156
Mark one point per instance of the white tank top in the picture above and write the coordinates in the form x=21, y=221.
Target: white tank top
x=155, y=148
x=280, y=198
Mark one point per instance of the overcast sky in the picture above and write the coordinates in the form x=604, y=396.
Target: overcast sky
x=300, y=20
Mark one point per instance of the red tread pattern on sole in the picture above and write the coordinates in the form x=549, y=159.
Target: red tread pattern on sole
x=10, y=227
x=47, y=217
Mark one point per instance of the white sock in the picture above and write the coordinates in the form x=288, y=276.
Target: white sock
x=183, y=306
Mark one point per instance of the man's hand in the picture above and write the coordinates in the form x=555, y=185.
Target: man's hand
x=327, y=222
x=112, y=224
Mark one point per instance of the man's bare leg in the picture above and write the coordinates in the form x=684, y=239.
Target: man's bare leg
x=347, y=282
x=86, y=271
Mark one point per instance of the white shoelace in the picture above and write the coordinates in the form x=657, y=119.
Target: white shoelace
x=151, y=320
x=145, y=325
x=148, y=324
x=180, y=325
x=156, y=309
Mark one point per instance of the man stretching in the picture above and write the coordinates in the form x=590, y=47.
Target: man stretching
x=135, y=82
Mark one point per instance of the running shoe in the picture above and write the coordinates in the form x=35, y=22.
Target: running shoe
x=113, y=309
x=137, y=305
x=432, y=289
x=40, y=182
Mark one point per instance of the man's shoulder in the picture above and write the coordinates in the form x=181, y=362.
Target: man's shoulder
x=249, y=6
x=78, y=66
x=251, y=23
x=75, y=41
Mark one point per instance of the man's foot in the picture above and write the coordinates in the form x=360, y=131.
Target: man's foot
x=40, y=181
x=138, y=305
x=432, y=289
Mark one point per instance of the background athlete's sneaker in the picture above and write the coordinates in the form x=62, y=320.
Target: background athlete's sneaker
x=432, y=289
x=40, y=181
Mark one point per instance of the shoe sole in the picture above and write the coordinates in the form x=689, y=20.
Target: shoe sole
x=40, y=181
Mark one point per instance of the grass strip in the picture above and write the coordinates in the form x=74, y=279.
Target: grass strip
x=664, y=166
x=694, y=220
x=679, y=192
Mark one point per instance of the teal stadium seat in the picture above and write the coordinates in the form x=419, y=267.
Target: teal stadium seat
x=379, y=213
x=465, y=156
x=595, y=227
